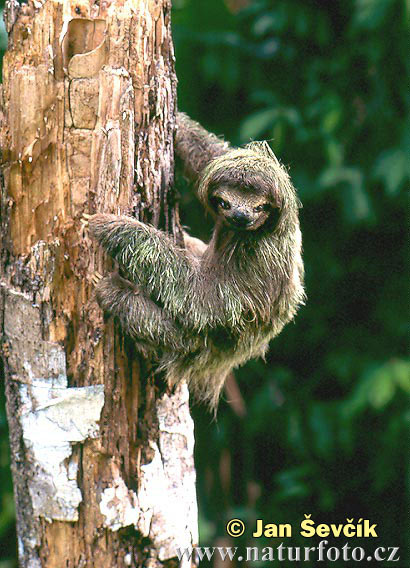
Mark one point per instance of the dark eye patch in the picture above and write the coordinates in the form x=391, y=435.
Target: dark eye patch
x=263, y=207
x=219, y=202
x=224, y=204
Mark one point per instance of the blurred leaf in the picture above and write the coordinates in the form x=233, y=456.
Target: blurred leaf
x=393, y=168
x=256, y=124
x=335, y=152
x=292, y=482
x=335, y=175
x=271, y=21
x=331, y=119
x=356, y=202
x=264, y=24
x=378, y=386
x=400, y=370
x=382, y=388
x=371, y=13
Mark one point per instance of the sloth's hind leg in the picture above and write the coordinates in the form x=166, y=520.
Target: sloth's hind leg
x=139, y=316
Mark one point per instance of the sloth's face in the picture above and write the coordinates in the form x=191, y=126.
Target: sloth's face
x=241, y=208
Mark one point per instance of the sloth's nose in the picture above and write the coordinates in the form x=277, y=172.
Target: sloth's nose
x=240, y=219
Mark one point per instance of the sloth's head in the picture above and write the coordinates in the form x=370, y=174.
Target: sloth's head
x=241, y=206
x=248, y=188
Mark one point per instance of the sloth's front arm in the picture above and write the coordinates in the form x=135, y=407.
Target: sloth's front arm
x=148, y=256
x=162, y=271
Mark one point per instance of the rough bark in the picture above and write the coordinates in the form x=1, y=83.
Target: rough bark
x=102, y=453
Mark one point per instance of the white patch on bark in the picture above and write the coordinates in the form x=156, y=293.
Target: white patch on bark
x=174, y=519
x=53, y=419
x=119, y=506
x=52, y=416
x=165, y=508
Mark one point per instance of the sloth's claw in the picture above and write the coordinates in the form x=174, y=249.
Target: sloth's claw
x=84, y=220
x=96, y=278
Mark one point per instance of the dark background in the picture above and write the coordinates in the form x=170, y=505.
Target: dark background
x=322, y=427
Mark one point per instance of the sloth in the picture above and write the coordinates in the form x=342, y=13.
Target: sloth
x=203, y=310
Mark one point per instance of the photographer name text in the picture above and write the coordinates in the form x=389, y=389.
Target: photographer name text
x=363, y=528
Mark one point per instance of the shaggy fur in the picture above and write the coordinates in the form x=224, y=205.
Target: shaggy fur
x=204, y=310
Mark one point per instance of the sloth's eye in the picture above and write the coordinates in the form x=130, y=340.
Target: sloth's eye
x=262, y=207
x=222, y=203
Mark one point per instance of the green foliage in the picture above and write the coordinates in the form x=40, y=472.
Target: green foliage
x=327, y=417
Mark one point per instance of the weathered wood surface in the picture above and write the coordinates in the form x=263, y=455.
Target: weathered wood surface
x=102, y=456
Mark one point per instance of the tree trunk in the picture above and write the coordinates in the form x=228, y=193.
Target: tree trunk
x=102, y=454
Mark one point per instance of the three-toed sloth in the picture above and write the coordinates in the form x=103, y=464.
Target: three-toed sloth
x=206, y=309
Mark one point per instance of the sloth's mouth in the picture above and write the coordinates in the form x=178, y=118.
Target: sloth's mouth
x=240, y=221
x=252, y=226
x=239, y=226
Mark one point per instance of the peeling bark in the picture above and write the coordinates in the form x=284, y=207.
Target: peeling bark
x=102, y=454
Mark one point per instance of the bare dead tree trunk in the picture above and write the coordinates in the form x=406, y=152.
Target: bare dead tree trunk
x=102, y=454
